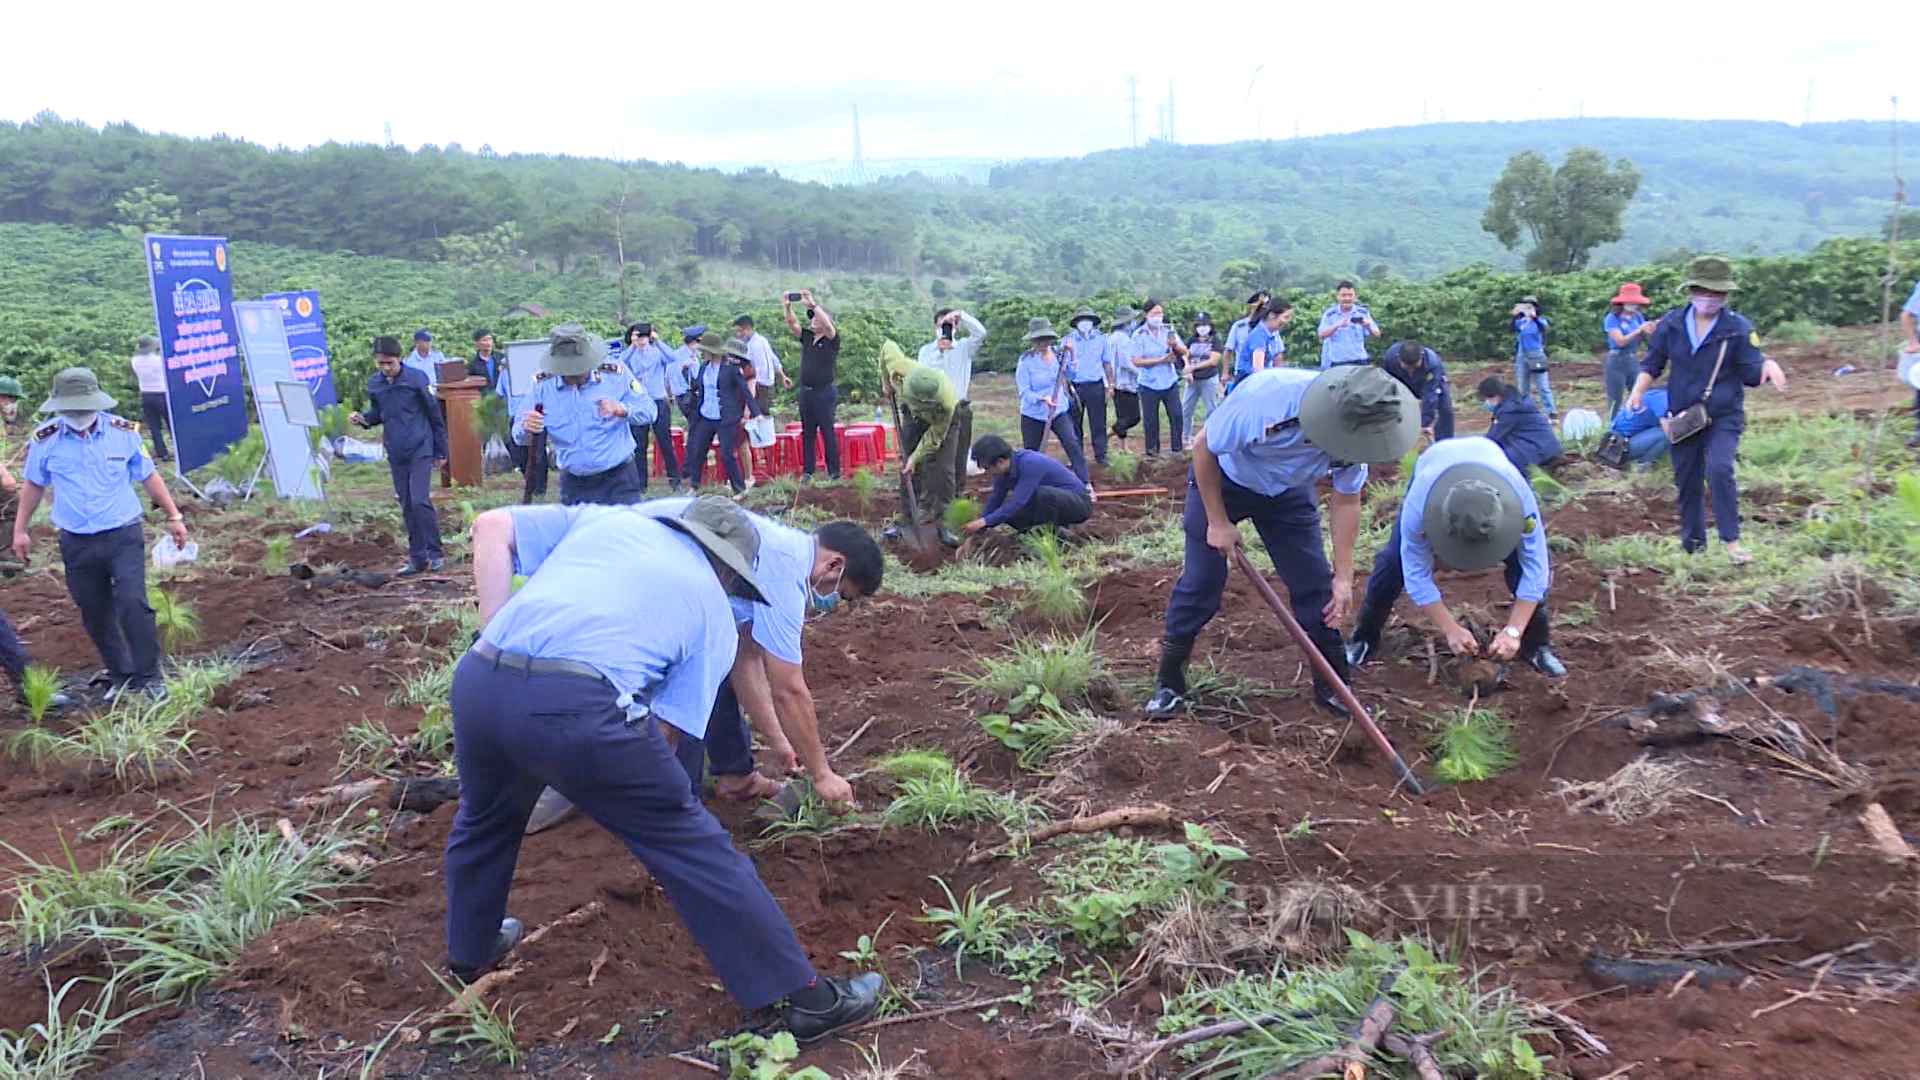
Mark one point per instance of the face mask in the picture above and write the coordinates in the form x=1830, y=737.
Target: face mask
x=79, y=420
x=1708, y=305
x=1488, y=405
x=1202, y=331
x=1155, y=324
x=1085, y=326
x=9, y=409
x=827, y=601
x=1630, y=310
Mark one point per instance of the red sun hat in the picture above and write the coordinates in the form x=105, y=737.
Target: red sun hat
x=1630, y=294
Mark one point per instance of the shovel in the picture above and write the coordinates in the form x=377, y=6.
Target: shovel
x=918, y=536
x=1326, y=673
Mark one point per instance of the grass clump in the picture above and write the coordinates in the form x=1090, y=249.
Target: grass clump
x=1063, y=667
x=38, y=685
x=931, y=802
x=865, y=483
x=63, y=1045
x=179, y=623
x=137, y=738
x=478, y=1028
x=426, y=687
x=1057, y=596
x=959, y=513
x=1799, y=332
x=980, y=925
x=278, y=555
x=1035, y=726
x=904, y=764
x=1123, y=466
x=1472, y=744
x=1640, y=789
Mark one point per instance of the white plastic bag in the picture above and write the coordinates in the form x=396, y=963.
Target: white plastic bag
x=495, y=460
x=352, y=450
x=760, y=432
x=167, y=553
x=1580, y=424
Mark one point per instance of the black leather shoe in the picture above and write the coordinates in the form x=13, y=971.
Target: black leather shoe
x=1357, y=652
x=510, y=934
x=1166, y=702
x=1324, y=697
x=410, y=569
x=1546, y=663
x=854, y=1000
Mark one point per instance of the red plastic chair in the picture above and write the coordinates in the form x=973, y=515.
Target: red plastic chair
x=786, y=453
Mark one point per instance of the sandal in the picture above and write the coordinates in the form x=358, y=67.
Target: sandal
x=750, y=788
x=1739, y=556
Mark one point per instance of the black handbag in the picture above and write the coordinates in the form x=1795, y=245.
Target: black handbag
x=1694, y=419
x=1613, y=449
x=1536, y=365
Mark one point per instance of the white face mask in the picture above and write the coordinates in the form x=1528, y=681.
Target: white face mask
x=80, y=420
x=1202, y=330
x=1085, y=326
x=1155, y=323
x=9, y=409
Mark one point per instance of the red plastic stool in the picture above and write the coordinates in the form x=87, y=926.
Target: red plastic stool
x=792, y=425
x=786, y=453
x=856, y=452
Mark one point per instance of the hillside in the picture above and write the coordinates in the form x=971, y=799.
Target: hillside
x=1398, y=202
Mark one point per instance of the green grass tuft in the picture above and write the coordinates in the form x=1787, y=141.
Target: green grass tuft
x=914, y=763
x=1472, y=744
x=179, y=623
x=38, y=685
x=1063, y=667
x=1123, y=466
x=930, y=802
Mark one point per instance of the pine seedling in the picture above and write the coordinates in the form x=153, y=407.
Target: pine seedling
x=38, y=685
x=179, y=623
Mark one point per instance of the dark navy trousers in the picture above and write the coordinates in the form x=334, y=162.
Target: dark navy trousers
x=515, y=733
x=617, y=486
x=1289, y=527
x=662, y=429
x=700, y=439
x=13, y=652
x=1090, y=416
x=728, y=746
x=413, y=486
x=107, y=578
x=1703, y=465
x=1386, y=583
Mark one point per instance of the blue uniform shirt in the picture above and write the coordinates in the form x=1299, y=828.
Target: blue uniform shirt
x=1626, y=324
x=1256, y=435
x=1629, y=423
x=1031, y=470
x=1675, y=342
x=648, y=365
x=1259, y=339
x=90, y=475
x=680, y=369
x=1038, y=379
x=1530, y=334
x=1120, y=353
x=427, y=365
x=584, y=441
x=1149, y=345
x=504, y=387
x=1347, y=345
x=1912, y=306
x=783, y=570
x=591, y=570
x=1237, y=337
x=1416, y=554
x=1090, y=361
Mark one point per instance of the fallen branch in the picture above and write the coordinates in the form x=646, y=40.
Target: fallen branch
x=572, y=918
x=342, y=794
x=1587, y=1038
x=492, y=980
x=706, y=1066
x=1418, y=1052
x=1162, y=817
x=1887, y=839
x=339, y=860
x=1360, y=1045
x=851, y=739
x=1131, y=493
x=1223, y=1030
x=929, y=1014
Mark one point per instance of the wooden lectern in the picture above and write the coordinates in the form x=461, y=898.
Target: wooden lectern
x=457, y=398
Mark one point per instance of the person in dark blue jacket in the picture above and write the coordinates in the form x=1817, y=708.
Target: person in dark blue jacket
x=1419, y=369
x=1030, y=489
x=1518, y=425
x=1715, y=356
x=400, y=401
x=1646, y=439
x=726, y=394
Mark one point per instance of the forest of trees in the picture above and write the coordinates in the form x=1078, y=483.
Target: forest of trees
x=1401, y=203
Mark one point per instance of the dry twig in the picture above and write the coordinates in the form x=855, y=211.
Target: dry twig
x=1161, y=817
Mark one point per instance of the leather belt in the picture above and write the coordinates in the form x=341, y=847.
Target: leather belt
x=535, y=665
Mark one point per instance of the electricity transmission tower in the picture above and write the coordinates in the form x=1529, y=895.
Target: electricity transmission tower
x=1133, y=110
x=859, y=159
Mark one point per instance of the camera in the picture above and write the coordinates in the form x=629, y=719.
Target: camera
x=793, y=298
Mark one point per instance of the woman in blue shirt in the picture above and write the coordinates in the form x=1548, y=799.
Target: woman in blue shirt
x=1155, y=347
x=1626, y=329
x=1530, y=354
x=1041, y=376
x=726, y=394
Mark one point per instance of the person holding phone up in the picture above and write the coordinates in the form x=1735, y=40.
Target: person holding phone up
x=819, y=397
x=1530, y=354
x=1344, y=329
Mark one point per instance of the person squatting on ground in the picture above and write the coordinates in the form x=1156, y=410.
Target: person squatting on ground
x=1344, y=329
x=800, y=574
x=568, y=688
x=586, y=405
x=929, y=435
x=721, y=395
x=150, y=374
x=1042, y=374
x=85, y=460
x=1202, y=375
x=1518, y=425
x=819, y=396
x=401, y=404
x=1715, y=356
x=1627, y=331
x=1126, y=377
x=1030, y=490
x=952, y=354
x=1530, y=354
x=1421, y=371
x=1468, y=505
x=649, y=365
x=1155, y=348
x=1090, y=370
x=1258, y=459
x=1646, y=436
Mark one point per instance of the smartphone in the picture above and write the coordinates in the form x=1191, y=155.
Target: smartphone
x=793, y=298
x=946, y=331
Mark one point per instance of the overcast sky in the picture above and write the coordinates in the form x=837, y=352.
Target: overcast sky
x=749, y=81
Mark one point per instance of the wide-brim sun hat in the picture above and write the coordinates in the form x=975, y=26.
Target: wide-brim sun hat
x=571, y=351
x=1038, y=329
x=737, y=349
x=1473, y=517
x=76, y=390
x=1123, y=313
x=10, y=387
x=727, y=533
x=1083, y=312
x=1712, y=273
x=1630, y=294
x=1359, y=413
x=712, y=344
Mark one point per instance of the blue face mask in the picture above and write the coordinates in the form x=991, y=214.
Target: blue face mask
x=1489, y=405
x=827, y=601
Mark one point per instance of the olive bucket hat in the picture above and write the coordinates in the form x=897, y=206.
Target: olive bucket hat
x=1122, y=314
x=711, y=343
x=76, y=390
x=1358, y=412
x=1083, y=312
x=727, y=534
x=10, y=387
x=1473, y=517
x=1040, y=328
x=1712, y=273
x=571, y=351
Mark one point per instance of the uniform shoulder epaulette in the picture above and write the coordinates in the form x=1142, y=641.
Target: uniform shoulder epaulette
x=543, y=376
x=123, y=424
x=613, y=367
x=46, y=430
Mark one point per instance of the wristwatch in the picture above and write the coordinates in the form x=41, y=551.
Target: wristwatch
x=1510, y=632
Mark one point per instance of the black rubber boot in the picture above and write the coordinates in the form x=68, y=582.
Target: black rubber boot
x=1328, y=642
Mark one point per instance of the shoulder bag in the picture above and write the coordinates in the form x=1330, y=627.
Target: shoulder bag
x=1694, y=420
